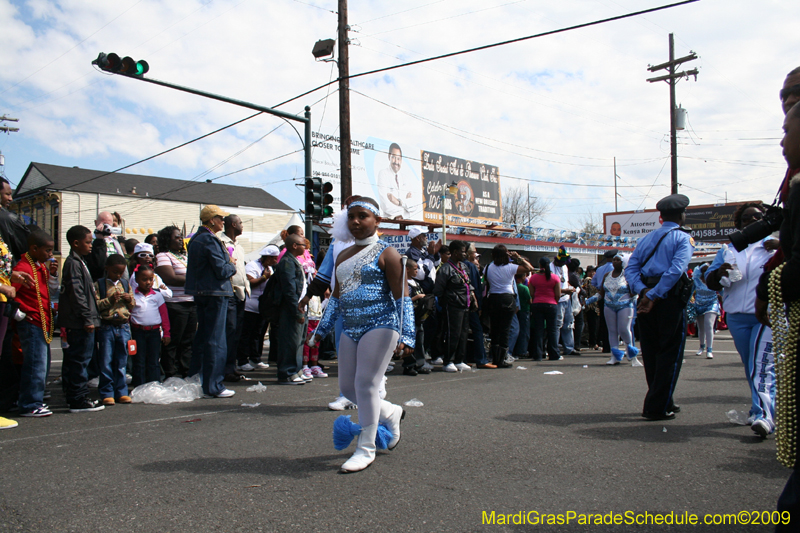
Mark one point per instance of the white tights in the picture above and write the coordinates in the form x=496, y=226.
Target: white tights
x=619, y=325
x=361, y=368
x=705, y=329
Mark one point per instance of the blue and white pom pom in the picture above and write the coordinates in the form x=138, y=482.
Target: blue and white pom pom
x=344, y=430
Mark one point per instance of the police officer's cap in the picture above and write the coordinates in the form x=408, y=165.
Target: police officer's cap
x=674, y=203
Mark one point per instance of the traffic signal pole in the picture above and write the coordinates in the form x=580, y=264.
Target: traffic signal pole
x=305, y=119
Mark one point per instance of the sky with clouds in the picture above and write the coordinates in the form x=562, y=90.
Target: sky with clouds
x=551, y=112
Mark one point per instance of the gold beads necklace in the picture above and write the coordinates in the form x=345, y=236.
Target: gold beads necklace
x=785, y=325
x=48, y=332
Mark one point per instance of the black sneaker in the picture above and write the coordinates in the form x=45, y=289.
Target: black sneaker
x=86, y=405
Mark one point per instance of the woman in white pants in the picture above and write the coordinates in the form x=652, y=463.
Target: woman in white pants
x=619, y=304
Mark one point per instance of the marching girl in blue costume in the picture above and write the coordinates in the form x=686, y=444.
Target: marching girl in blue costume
x=706, y=305
x=372, y=299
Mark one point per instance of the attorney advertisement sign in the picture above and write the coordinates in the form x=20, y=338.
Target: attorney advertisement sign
x=709, y=223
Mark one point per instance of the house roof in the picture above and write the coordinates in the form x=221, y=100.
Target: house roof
x=41, y=177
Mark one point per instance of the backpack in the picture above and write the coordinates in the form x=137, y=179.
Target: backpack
x=103, y=290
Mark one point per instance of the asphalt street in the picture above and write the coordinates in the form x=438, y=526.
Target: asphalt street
x=503, y=441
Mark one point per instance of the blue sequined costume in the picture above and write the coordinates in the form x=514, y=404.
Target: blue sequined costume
x=705, y=300
x=365, y=299
x=618, y=295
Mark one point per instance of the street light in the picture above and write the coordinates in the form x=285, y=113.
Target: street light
x=452, y=190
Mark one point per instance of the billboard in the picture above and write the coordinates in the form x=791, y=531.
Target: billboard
x=408, y=182
x=477, y=202
x=709, y=223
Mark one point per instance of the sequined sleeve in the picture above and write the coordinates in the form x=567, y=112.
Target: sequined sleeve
x=408, y=334
x=328, y=320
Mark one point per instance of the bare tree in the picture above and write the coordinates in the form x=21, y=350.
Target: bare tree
x=520, y=210
x=591, y=222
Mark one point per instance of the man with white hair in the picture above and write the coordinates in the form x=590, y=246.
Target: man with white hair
x=254, y=327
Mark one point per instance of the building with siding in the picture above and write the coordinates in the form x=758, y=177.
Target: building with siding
x=56, y=198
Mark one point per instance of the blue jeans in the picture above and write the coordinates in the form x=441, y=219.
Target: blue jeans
x=76, y=359
x=145, y=362
x=233, y=332
x=113, y=359
x=513, y=334
x=564, y=320
x=521, y=346
x=545, y=331
x=210, y=348
x=36, y=354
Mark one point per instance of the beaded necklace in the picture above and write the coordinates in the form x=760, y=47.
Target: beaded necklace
x=180, y=257
x=785, y=331
x=464, y=277
x=48, y=332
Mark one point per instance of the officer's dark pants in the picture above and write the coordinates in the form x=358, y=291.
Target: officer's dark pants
x=663, y=332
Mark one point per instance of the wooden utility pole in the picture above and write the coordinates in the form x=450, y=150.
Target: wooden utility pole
x=8, y=129
x=345, y=170
x=672, y=78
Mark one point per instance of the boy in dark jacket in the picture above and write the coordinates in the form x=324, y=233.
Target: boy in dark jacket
x=79, y=316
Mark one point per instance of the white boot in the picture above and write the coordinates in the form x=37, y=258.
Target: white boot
x=391, y=415
x=365, y=451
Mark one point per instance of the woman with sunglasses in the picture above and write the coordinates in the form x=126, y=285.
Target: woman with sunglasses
x=753, y=340
x=143, y=255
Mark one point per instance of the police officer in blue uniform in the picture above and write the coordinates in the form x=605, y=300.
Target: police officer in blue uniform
x=654, y=271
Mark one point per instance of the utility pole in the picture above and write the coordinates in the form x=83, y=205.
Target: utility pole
x=615, y=185
x=8, y=129
x=345, y=170
x=672, y=78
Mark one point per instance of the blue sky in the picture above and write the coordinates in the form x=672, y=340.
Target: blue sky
x=554, y=109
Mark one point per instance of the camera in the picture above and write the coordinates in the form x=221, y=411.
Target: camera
x=761, y=229
x=108, y=229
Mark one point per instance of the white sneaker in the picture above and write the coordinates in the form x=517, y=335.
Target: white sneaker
x=635, y=361
x=341, y=403
x=427, y=366
x=128, y=379
x=437, y=361
x=761, y=428
x=509, y=359
x=247, y=367
x=306, y=374
x=389, y=368
x=93, y=383
x=225, y=393
x=463, y=367
x=612, y=361
x=450, y=368
x=701, y=350
x=261, y=366
x=317, y=372
x=709, y=355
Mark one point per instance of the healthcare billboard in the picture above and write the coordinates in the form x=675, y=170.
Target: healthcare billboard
x=408, y=182
x=709, y=223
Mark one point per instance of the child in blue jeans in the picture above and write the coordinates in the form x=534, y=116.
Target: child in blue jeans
x=114, y=302
x=148, y=319
x=36, y=329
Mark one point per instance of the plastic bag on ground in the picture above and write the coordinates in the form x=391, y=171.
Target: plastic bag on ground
x=256, y=388
x=553, y=373
x=413, y=402
x=171, y=391
x=737, y=417
x=522, y=368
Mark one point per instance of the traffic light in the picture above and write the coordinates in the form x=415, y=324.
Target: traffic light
x=313, y=198
x=327, y=200
x=126, y=65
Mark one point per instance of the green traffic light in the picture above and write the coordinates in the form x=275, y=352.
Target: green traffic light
x=327, y=211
